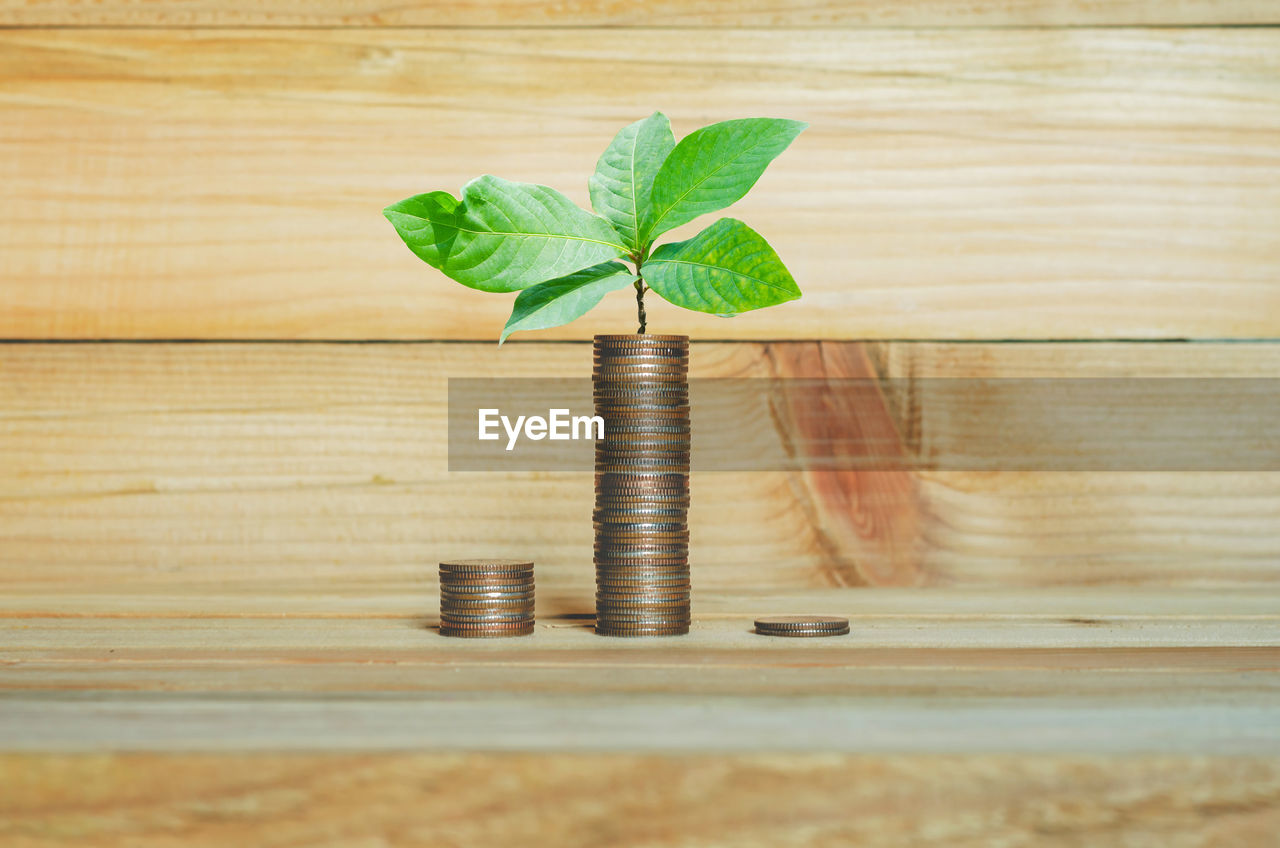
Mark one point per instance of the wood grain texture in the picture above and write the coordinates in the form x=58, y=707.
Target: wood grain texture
x=288, y=639
x=666, y=13
x=1121, y=672
x=156, y=801
x=201, y=464
x=1026, y=183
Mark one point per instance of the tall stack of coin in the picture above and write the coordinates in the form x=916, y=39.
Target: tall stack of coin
x=641, y=391
x=486, y=598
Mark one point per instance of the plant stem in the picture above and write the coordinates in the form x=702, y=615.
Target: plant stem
x=640, y=290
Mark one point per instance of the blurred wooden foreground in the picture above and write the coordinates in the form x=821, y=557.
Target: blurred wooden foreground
x=624, y=13
x=582, y=801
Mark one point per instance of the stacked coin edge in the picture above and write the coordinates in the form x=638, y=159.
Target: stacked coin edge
x=802, y=626
x=641, y=550
x=486, y=598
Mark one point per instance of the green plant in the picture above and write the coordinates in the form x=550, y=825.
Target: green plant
x=504, y=236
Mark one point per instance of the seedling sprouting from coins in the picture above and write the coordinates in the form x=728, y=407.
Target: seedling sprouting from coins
x=505, y=236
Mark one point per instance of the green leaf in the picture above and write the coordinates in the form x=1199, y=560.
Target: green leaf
x=503, y=236
x=427, y=223
x=557, y=302
x=725, y=269
x=623, y=180
x=713, y=167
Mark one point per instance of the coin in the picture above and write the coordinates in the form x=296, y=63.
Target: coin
x=664, y=594
x=631, y=556
x=487, y=605
x=673, y=511
x=613, y=578
x=642, y=617
x=617, y=567
x=483, y=623
x=676, y=597
x=494, y=583
x=643, y=463
x=473, y=578
x=668, y=630
x=623, y=498
x=642, y=526
x=609, y=409
x=670, y=498
x=802, y=625
x=642, y=531
x=503, y=625
x=609, y=448
x=646, y=420
x=637, y=552
x=665, y=403
x=631, y=443
x=466, y=578
x=635, y=457
x=638, y=493
x=496, y=626
x=648, y=510
x=642, y=611
x=644, y=339
x=485, y=633
x=487, y=565
x=636, y=481
x=484, y=597
x=487, y=590
x=607, y=377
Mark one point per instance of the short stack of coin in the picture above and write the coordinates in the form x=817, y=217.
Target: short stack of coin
x=802, y=625
x=641, y=391
x=486, y=598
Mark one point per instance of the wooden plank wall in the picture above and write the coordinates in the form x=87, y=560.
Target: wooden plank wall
x=190, y=465
x=978, y=183
x=222, y=399
x=213, y=171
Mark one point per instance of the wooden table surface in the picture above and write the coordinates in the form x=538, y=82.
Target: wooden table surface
x=157, y=718
x=1150, y=671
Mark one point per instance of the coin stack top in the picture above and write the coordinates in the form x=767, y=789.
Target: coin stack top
x=486, y=598
x=802, y=625
x=642, y=485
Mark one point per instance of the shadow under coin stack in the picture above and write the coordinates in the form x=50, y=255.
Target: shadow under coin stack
x=641, y=391
x=486, y=598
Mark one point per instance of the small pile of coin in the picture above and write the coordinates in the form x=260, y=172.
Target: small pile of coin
x=486, y=598
x=802, y=625
x=641, y=391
